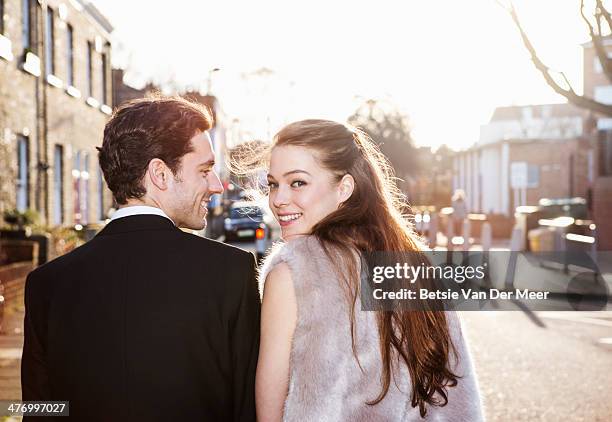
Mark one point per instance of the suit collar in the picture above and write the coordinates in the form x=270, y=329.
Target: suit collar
x=138, y=210
x=133, y=223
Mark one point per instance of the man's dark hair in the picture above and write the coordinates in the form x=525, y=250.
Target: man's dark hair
x=144, y=129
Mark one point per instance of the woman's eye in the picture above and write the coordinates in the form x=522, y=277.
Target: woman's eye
x=272, y=185
x=298, y=184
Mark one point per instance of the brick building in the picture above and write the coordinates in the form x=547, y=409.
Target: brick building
x=55, y=97
x=123, y=92
x=524, y=154
x=597, y=85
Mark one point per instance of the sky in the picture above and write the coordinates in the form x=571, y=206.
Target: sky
x=446, y=64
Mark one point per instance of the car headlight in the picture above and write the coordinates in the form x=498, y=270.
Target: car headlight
x=228, y=224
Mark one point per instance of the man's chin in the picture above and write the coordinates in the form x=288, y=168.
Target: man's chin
x=200, y=226
x=195, y=225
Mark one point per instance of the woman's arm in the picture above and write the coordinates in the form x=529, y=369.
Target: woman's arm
x=278, y=320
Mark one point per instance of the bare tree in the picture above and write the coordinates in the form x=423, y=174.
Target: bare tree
x=390, y=129
x=600, y=26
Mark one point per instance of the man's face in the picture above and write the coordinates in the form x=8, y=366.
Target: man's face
x=194, y=184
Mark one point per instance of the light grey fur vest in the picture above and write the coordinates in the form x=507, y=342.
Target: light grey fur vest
x=326, y=383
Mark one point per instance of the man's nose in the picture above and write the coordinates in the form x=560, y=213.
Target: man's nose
x=215, y=184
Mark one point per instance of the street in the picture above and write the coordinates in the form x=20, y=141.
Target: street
x=550, y=366
x=558, y=371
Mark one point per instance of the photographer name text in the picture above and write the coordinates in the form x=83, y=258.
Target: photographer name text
x=425, y=294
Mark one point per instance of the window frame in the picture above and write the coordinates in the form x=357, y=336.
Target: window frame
x=70, y=55
x=2, y=28
x=58, y=184
x=89, y=69
x=104, y=81
x=22, y=191
x=50, y=41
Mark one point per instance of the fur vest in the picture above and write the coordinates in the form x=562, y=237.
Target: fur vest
x=326, y=382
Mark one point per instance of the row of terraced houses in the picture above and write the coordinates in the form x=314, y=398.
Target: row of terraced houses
x=55, y=97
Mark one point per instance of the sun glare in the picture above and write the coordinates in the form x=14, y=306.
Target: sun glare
x=446, y=64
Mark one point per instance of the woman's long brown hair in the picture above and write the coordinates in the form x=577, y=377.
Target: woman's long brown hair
x=371, y=220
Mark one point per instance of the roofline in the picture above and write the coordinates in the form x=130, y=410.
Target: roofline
x=94, y=14
x=498, y=142
x=588, y=44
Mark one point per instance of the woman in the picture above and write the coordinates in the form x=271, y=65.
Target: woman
x=321, y=358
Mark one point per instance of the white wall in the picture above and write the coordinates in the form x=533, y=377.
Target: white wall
x=490, y=163
x=529, y=128
x=475, y=200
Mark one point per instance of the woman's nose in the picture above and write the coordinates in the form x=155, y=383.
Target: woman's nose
x=280, y=198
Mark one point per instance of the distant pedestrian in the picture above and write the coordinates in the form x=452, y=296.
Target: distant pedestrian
x=146, y=322
x=459, y=211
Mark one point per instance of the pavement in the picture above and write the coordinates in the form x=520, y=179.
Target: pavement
x=11, y=345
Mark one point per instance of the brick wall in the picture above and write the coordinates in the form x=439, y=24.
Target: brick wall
x=603, y=212
x=14, y=250
x=602, y=186
x=563, y=167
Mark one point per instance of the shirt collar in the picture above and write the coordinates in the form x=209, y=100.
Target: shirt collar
x=138, y=210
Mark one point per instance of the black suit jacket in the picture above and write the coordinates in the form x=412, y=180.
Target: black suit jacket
x=144, y=323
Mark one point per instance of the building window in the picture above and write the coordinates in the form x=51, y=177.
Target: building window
x=58, y=185
x=533, y=176
x=29, y=14
x=1, y=17
x=25, y=23
x=605, y=152
x=89, y=66
x=101, y=213
x=104, y=80
x=76, y=180
x=23, y=162
x=80, y=175
x=70, y=55
x=49, y=43
x=85, y=189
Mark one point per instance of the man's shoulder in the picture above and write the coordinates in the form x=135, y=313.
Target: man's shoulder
x=57, y=266
x=198, y=243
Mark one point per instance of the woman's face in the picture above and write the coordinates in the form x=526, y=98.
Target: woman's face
x=302, y=192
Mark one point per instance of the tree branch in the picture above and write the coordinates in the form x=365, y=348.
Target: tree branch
x=569, y=94
x=602, y=54
x=604, y=12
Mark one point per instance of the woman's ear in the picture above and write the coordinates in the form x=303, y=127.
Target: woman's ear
x=346, y=187
x=158, y=173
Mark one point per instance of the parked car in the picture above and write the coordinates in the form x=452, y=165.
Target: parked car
x=243, y=220
x=268, y=234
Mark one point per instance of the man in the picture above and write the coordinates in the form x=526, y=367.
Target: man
x=146, y=322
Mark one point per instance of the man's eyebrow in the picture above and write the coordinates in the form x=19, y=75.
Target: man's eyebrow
x=209, y=163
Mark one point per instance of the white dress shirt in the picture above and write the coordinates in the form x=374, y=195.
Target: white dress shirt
x=138, y=210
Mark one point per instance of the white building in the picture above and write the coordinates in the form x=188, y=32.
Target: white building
x=523, y=154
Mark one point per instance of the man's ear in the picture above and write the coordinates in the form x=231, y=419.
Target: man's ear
x=346, y=187
x=158, y=173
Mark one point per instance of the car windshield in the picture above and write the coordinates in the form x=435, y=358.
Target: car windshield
x=246, y=212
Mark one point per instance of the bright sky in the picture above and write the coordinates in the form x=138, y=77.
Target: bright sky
x=446, y=63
